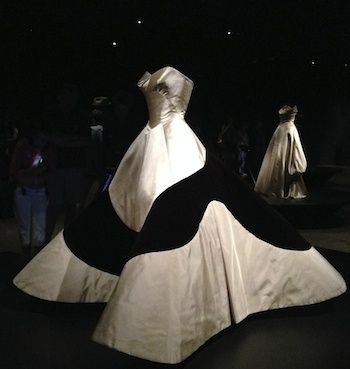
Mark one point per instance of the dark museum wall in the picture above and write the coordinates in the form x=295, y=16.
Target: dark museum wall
x=247, y=58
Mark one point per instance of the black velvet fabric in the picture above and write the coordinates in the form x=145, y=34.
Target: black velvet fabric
x=99, y=237
x=102, y=240
x=175, y=215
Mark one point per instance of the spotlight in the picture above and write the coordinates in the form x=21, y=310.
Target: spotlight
x=229, y=32
x=114, y=43
x=312, y=62
x=139, y=21
x=346, y=65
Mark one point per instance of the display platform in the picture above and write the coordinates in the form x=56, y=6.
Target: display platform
x=40, y=334
x=318, y=209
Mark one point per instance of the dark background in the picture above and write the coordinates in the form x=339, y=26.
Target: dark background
x=277, y=52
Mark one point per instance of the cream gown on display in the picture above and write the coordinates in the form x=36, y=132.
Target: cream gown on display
x=284, y=158
x=178, y=248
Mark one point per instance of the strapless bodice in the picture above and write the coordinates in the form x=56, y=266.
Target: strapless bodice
x=284, y=120
x=167, y=93
x=165, y=152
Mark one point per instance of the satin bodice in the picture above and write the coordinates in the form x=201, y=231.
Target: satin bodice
x=287, y=119
x=165, y=152
x=167, y=93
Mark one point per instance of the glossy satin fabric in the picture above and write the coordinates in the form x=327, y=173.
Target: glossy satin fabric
x=55, y=274
x=169, y=303
x=167, y=91
x=166, y=304
x=283, y=158
x=165, y=152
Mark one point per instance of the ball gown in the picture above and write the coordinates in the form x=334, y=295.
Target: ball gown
x=284, y=158
x=178, y=247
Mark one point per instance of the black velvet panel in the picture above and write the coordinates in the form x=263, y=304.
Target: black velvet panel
x=99, y=237
x=175, y=215
x=102, y=240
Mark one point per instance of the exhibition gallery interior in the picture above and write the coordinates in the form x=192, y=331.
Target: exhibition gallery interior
x=175, y=184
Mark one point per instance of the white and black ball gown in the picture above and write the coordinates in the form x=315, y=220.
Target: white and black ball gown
x=178, y=248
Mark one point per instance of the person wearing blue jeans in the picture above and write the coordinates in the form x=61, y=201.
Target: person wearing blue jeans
x=29, y=168
x=30, y=206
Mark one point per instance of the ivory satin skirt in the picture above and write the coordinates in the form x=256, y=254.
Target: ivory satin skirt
x=209, y=253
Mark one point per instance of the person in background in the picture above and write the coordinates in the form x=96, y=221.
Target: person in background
x=257, y=146
x=101, y=158
x=128, y=115
x=68, y=130
x=8, y=139
x=30, y=164
x=233, y=144
x=102, y=123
